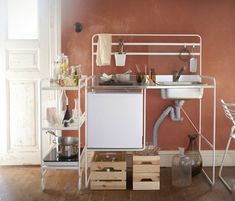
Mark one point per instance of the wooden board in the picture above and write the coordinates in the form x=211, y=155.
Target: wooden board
x=108, y=160
x=109, y=156
x=146, y=168
x=108, y=175
x=150, y=185
x=108, y=165
x=144, y=176
x=108, y=185
x=154, y=160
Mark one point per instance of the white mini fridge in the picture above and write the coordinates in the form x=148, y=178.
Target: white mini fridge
x=115, y=120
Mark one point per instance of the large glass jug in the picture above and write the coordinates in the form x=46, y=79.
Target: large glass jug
x=181, y=169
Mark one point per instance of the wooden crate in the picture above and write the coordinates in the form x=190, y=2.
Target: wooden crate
x=108, y=171
x=146, y=172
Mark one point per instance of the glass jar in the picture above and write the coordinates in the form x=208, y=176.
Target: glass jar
x=193, y=152
x=181, y=169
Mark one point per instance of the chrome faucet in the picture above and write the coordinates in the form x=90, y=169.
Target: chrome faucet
x=178, y=73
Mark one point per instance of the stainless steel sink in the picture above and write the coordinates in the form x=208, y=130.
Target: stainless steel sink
x=195, y=91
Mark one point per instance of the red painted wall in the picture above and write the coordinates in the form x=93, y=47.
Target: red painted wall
x=213, y=20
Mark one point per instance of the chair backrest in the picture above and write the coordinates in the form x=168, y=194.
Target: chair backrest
x=229, y=110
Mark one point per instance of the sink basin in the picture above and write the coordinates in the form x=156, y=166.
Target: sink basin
x=172, y=92
x=175, y=93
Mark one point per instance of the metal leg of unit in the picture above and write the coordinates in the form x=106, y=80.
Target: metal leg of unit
x=42, y=184
x=228, y=186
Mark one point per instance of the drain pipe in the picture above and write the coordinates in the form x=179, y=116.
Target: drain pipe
x=174, y=115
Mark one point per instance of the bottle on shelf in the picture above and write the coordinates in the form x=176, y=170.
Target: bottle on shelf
x=64, y=66
x=62, y=106
x=75, y=74
x=62, y=69
x=67, y=114
x=67, y=117
x=63, y=101
x=55, y=76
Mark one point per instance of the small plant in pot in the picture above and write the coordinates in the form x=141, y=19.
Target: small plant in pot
x=120, y=56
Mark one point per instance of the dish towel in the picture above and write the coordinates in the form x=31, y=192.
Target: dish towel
x=103, y=57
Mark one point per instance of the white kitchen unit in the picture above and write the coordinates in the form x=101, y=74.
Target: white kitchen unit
x=182, y=46
x=115, y=120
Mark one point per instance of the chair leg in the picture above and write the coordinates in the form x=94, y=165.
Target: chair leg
x=229, y=187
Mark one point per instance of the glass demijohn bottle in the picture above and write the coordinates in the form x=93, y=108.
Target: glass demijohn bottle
x=194, y=154
x=181, y=169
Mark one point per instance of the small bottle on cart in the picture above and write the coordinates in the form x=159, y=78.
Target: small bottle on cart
x=153, y=75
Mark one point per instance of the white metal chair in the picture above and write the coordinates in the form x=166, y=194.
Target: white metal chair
x=229, y=109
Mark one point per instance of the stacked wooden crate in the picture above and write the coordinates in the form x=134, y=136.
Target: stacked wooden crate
x=146, y=172
x=108, y=171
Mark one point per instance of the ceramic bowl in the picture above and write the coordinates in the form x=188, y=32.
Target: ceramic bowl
x=123, y=77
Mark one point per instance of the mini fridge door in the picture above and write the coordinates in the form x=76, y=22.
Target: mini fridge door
x=115, y=120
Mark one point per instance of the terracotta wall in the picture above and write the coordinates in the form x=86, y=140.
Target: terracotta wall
x=213, y=20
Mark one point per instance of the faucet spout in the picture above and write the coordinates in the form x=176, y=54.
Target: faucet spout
x=178, y=73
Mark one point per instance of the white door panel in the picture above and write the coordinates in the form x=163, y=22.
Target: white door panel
x=24, y=61
x=22, y=117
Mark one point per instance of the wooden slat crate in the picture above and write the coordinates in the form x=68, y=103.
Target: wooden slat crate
x=146, y=172
x=108, y=171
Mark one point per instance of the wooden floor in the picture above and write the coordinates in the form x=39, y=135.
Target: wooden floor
x=23, y=184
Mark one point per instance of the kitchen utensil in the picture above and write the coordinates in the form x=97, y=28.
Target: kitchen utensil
x=193, y=63
x=67, y=147
x=145, y=69
x=121, y=46
x=184, y=54
x=140, y=77
x=138, y=68
x=128, y=72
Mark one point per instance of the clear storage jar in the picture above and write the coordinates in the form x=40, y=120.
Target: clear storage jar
x=181, y=169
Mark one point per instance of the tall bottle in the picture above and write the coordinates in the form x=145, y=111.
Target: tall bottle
x=63, y=101
x=181, y=169
x=192, y=151
x=67, y=115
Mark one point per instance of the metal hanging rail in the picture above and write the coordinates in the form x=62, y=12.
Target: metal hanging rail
x=156, y=44
x=197, y=44
x=156, y=54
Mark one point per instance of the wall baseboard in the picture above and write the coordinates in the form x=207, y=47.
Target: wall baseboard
x=166, y=157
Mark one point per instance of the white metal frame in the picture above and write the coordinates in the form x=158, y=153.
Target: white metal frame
x=81, y=120
x=229, y=110
x=212, y=85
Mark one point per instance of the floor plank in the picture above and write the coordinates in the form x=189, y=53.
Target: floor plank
x=23, y=183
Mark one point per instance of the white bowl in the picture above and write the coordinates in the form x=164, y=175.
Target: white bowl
x=123, y=77
x=105, y=77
